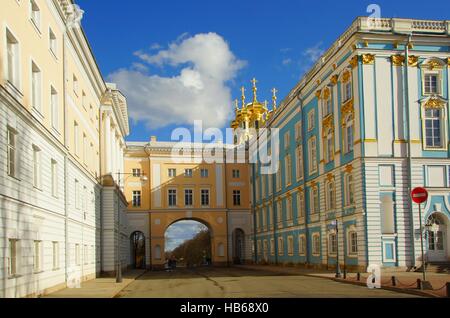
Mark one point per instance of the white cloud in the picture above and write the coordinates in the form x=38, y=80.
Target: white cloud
x=198, y=92
x=313, y=53
x=287, y=61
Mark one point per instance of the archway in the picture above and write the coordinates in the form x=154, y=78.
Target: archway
x=437, y=238
x=137, y=241
x=238, y=246
x=189, y=243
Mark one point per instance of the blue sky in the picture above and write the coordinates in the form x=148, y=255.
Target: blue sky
x=181, y=60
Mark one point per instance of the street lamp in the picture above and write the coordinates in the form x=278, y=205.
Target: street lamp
x=143, y=178
x=338, y=269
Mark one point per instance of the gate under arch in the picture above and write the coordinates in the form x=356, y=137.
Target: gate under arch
x=138, y=250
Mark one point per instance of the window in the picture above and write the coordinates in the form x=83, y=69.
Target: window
x=299, y=162
x=172, y=173
x=287, y=140
x=136, y=199
x=75, y=138
x=36, y=87
x=347, y=91
x=236, y=174
x=387, y=215
x=52, y=41
x=270, y=215
x=280, y=246
x=290, y=245
x=35, y=14
x=77, y=255
x=314, y=200
x=36, y=167
x=77, y=194
x=386, y=176
x=288, y=170
x=188, y=173
x=55, y=250
x=188, y=197
x=136, y=172
x=236, y=197
x=431, y=83
x=266, y=248
x=172, y=197
x=12, y=152
x=204, y=196
x=433, y=128
x=37, y=260
x=83, y=99
x=300, y=205
x=272, y=247
x=13, y=62
x=316, y=244
x=54, y=169
x=353, y=242
x=13, y=257
x=311, y=120
x=332, y=243
x=331, y=196
x=301, y=245
x=327, y=103
x=264, y=218
x=204, y=173
x=269, y=183
x=349, y=190
x=289, y=209
x=85, y=148
x=75, y=85
x=298, y=131
x=54, y=108
x=329, y=146
x=348, y=135
x=312, y=155
x=278, y=180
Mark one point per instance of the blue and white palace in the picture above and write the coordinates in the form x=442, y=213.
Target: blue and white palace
x=365, y=125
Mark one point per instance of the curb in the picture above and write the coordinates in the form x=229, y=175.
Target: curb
x=395, y=289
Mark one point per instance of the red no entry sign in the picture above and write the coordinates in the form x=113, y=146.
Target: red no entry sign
x=419, y=195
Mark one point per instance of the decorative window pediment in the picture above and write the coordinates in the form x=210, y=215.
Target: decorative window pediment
x=432, y=64
x=433, y=102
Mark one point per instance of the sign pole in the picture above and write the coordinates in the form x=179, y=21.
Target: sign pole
x=421, y=243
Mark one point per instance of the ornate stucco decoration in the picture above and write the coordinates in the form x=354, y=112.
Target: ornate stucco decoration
x=397, y=60
x=432, y=64
x=334, y=79
x=300, y=189
x=318, y=94
x=413, y=61
x=326, y=93
x=347, y=109
x=330, y=177
x=354, y=61
x=327, y=124
x=346, y=77
x=434, y=102
x=348, y=168
x=368, y=58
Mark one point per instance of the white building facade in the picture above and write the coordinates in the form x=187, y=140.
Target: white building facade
x=52, y=97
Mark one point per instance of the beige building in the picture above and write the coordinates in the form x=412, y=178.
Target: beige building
x=61, y=139
x=175, y=189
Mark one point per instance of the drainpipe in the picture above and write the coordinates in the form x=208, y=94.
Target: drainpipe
x=408, y=136
x=149, y=207
x=304, y=184
x=254, y=216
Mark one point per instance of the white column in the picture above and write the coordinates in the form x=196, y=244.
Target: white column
x=107, y=150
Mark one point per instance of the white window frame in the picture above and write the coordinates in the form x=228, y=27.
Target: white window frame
x=302, y=245
x=37, y=256
x=237, y=198
x=298, y=131
x=287, y=140
x=288, y=170
x=205, y=193
x=171, y=172
x=439, y=81
x=204, y=173
x=77, y=255
x=300, y=205
x=349, y=188
x=54, y=176
x=312, y=152
x=316, y=244
x=443, y=125
x=349, y=123
x=188, y=173
x=35, y=15
x=77, y=194
x=36, y=87
x=13, y=257
x=314, y=199
x=280, y=246
x=189, y=192
x=311, y=119
x=11, y=152
x=54, y=107
x=136, y=198
x=137, y=172
x=350, y=251
x=290, y=245
x=37, y=169
x=55, y=254
x=172, y=193
x=12, y=60
x=332, y=243
x=53, y=42
x=330, y=195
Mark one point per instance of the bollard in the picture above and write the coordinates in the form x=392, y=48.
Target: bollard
x=393, y=281
x=345, y=274
x=419, y=283
x=448, y=289
x=358, y=277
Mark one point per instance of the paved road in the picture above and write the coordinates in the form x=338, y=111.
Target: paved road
x=241, y=283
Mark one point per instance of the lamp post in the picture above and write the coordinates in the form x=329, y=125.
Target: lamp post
x=338, y=269
x=143, y=178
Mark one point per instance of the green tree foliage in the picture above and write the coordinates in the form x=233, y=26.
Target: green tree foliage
x=195, y=251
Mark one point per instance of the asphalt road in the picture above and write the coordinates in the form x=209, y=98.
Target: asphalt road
x=243, y=283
